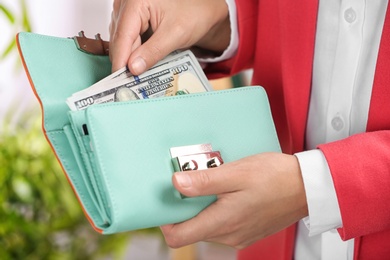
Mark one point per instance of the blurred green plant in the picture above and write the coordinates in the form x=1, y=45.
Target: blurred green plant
x=21, y=22
x=40, y=217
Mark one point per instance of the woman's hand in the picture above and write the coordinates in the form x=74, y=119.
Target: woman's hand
x=257, y=196
x=171, y=25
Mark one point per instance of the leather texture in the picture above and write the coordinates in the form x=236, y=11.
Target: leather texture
x=121, y=171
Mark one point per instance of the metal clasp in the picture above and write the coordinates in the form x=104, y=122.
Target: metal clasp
x=195, y=157
x=94, y=46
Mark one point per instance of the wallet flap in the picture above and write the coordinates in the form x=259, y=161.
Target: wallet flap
x=56, y=69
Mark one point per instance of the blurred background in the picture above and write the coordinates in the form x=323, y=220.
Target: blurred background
x=40, y=217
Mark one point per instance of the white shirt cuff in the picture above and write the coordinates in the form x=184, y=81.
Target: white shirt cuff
x=233, y=45
x=324, y=210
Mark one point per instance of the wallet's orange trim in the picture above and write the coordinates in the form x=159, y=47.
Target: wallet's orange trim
x=51, y=146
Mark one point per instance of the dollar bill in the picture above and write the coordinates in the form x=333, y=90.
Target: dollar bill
x=120, y=74
x=177, y=74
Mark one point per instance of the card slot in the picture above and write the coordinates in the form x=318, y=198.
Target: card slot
x=98, y=187
x=82, y=159
x=78, y=126
x=64, y=153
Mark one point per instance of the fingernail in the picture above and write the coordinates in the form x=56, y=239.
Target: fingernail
x=183, y=179
x=138, y=65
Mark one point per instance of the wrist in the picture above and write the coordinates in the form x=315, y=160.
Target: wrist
x=217, y=38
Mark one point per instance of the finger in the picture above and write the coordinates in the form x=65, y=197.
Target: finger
x=157, y=47
x=111, y=31
x=136, y=43
x=112, y=27
x=130, y=23
x=218, y=180
x=165, y=229
x=196, y=229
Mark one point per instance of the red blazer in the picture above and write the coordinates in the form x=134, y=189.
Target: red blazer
x=277, y=41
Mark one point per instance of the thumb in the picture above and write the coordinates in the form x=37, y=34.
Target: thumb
x=205, y=182
x=161, y=43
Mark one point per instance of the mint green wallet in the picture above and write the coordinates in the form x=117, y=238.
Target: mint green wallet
x=117, y=156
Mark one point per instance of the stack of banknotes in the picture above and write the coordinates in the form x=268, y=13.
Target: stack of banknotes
x=177, y=74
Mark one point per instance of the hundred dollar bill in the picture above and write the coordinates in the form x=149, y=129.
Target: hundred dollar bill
x=120, y=74
x=177, y=74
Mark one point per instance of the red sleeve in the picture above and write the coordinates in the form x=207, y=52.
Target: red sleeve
x=360, y=167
